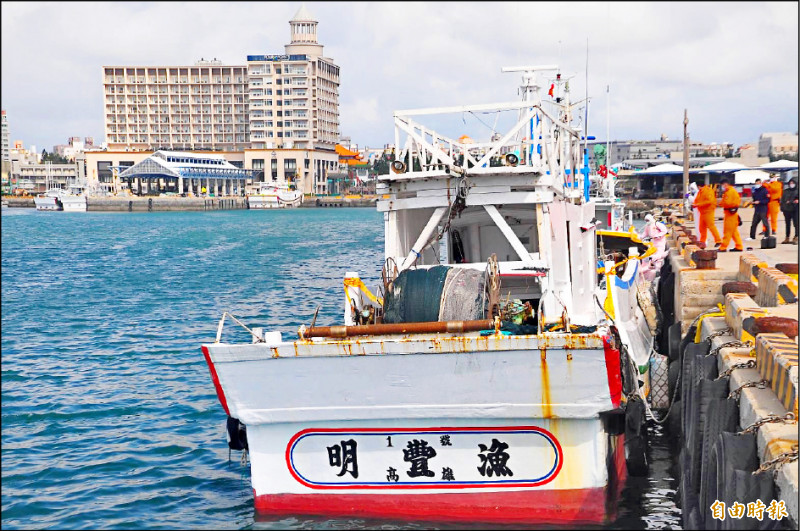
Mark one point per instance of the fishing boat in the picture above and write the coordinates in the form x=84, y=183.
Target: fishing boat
x=73, y=199
x=268, y=195
x=495, y=375
x=49, y=200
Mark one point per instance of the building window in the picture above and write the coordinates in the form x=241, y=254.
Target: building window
x=104, y=171
x=258, y=164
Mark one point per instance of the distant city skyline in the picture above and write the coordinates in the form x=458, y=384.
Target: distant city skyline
x=734, y=66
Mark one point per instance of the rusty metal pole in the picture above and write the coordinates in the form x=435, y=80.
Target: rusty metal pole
x=686, y=209
x=399, y=328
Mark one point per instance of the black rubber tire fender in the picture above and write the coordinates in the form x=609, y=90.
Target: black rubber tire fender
x=690, y=390
x=672, y=379
x=722, y=415
x=694, y=521
x=674, y=420
x=636, y=458
x=747, y=488
x=737, y=458
x=674, y=341
x=688, y=339
x=702, y=392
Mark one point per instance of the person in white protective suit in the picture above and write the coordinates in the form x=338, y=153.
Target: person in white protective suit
x=690, y=197
x=656, y=233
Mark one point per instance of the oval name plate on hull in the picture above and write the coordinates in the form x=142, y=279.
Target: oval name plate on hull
x=414, y=458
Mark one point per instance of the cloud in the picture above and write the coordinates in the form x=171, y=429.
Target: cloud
x=732, y=65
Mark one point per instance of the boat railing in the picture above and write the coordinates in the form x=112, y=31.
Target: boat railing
x=542, y=141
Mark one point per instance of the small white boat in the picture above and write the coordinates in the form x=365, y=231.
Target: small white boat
x=73, y=199
x=50, y=200
x=494, y=377
x=266, y=195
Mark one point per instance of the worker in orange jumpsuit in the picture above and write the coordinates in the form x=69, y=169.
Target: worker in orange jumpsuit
x=706, y=205
x=730, y=203
x=775, y=189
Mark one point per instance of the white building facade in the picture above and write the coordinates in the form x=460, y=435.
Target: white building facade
x=199, y=107
x=6, y=138
x=777, y=144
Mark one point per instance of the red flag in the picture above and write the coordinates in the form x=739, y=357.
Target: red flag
x=552, y=86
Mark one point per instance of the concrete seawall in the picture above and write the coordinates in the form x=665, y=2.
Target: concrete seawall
x=161, y=204
x=736, y=317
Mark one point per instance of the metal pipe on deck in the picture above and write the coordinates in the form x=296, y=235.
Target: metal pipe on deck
x=400, y=328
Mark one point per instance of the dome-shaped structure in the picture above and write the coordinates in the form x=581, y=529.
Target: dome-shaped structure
x=303, y=34
x=303, y=15
x=303, y=27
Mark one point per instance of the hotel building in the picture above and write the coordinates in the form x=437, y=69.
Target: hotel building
x=272, y=102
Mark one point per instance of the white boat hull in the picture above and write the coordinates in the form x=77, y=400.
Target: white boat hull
x=74, y=203
x=47, y=203
x=258, y=202
x=280, y=199
x=341, y=426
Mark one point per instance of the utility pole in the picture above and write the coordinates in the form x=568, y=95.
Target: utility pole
x=686, y=158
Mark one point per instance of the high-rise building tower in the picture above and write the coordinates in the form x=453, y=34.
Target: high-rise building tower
x=294, y=97
x=5, y=138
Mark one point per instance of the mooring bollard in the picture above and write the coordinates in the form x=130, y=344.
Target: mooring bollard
x=771, y=325
x=740, y=287
x=705, y=259
x=789, y=269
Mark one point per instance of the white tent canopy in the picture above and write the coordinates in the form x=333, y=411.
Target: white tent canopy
x=661, y=169
x=749, y=176
x=780, y=165
x=721, y=167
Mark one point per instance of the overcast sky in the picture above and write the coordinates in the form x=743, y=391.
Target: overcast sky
x=734, y=66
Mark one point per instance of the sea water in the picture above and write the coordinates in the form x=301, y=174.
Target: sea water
x=109, y=415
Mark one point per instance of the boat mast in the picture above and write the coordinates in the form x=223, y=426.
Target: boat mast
x=530, y=94
x=586, y=131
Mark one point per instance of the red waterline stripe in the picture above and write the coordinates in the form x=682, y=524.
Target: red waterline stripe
x=215, y=379
x=522, y=506
x=613, y=370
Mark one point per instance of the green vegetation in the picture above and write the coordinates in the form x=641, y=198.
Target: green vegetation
x=55, y=158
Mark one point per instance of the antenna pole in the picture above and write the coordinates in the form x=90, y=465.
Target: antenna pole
x=685, y=157
x=586, y=132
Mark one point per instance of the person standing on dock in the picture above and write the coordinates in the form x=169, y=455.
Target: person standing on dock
x=775, y=188
x=730, y=203
x=690, y=197
x=790, y=210
x=760, y=203
x=706, y=205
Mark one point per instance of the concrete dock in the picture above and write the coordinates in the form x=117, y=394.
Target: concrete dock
x=174, y=203
x=753, y=337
